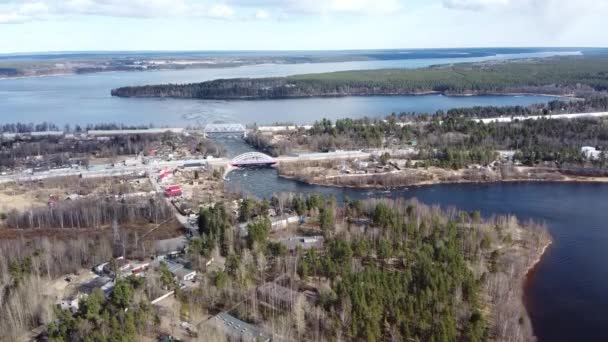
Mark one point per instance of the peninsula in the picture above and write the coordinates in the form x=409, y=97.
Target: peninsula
x=565, y=76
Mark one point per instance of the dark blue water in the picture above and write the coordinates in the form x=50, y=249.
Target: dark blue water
x=83, y=99
x=567, y=294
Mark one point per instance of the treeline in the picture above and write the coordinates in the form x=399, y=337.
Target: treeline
x=124, y=316
x=59, y=151
x=564, y=75
x=27, y=267
x=389, y=270
x=90, y=213
x=264, y=143
x=588, y=105
x=535, y=141
x=10, y=72
x=454, y=140
x=49, y=126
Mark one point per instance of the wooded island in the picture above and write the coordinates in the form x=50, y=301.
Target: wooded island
x=580, y=76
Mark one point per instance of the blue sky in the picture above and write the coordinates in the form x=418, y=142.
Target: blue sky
x=76, y=25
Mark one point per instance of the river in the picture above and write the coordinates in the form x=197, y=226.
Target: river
x=565, y=295
x=85, y=99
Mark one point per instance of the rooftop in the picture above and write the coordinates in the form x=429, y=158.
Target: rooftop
x=239, y=329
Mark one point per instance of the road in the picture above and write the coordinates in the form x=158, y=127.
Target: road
x=103, y=170
x=536, y=117
x=121, y=170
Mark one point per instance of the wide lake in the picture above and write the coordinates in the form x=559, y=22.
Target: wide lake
x=84, y=99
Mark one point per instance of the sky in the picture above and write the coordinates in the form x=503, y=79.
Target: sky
x=120, y=25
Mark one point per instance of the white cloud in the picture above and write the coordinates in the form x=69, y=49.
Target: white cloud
x=336, y=6
x=475, y=4
x=18, y=11
x=262, y=14
x=14, y=11
x=12, y=18
x=536, y=7
x=362, y=6
x=221, y=11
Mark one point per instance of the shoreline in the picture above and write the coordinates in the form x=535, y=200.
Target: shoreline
x=329, y=96
x=580, y=179
x=527, y=280
x=538, y=260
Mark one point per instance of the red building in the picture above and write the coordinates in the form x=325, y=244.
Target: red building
x=173, y=191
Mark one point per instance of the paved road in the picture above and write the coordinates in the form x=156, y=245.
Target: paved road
x=101, y=171
x=536, y=117
x=122, y=170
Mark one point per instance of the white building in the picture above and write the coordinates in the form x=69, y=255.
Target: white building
x=590, y=152
x=180, y=272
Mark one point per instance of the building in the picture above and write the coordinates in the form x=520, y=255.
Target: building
x=71, y=303
x=282, y=223
x=165, y=175
x=591, y=152
x=306, y=242
x=124, y=267
x=180, y=272
x=185, y=274
x=237, y=329
x=173, y=191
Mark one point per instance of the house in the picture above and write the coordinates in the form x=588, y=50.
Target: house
x=71, y=304
x=185, y=274
x=591, y=152
x=122, y=265
x=180, y=272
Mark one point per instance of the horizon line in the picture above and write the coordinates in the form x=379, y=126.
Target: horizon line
x=67, y=52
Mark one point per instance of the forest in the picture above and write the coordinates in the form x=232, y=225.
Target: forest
x=26, y=267
x=390, y=270
x=59, y=151
x=581, y=76
x=453, y=140
x=90, y=212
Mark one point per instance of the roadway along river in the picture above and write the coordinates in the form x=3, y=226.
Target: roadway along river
x=566, y=293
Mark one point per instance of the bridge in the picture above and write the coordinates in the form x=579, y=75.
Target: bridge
x=252, y=159
x=218, y=128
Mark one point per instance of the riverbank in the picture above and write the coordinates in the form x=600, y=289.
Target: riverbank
x=329, y=174
x=529, y=246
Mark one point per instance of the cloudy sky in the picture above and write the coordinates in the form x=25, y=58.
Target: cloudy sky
x=76, y=25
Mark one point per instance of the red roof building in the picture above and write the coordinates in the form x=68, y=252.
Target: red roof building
x=173, y=191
